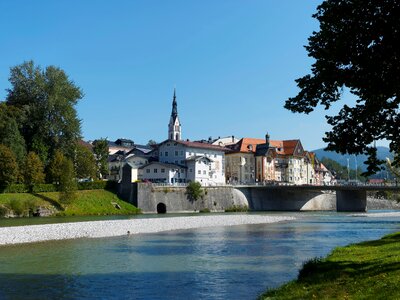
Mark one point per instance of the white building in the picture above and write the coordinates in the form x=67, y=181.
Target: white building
x=186, y=161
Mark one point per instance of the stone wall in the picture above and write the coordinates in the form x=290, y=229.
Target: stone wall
x=147, y=197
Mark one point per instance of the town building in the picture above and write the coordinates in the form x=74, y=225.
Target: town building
x=182, y=161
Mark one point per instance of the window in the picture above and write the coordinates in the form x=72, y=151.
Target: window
x=182, y=162
x=182, y=152
x=166, y=153
x=155, y=170
x=147, y=170
x=163, y=170
x=161, y=153
x=176, y=162
x=176, y=153
x=168, y=145
x=190, y=170
x=204, y=172
x=199, y=172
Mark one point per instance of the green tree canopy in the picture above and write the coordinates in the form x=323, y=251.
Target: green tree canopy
x=356, y=48
x=100, y=150
x=47, y=99
x=68, y=184
x=54, y=169
x=33, y=169
x=8, y=166
x=10, y=135
x=85, y=163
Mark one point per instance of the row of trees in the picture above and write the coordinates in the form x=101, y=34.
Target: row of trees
x=40, y=132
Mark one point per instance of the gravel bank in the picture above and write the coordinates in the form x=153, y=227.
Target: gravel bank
x=98, y=229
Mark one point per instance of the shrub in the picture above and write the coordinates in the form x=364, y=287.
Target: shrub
x=15, y=188
x=17, y=207
x=42, y=188
x=194, y=191
x=98, y=185
x=205, y=210
x=3, y=211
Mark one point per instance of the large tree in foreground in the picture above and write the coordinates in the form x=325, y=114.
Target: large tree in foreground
x=355, y=49
x=47, y=99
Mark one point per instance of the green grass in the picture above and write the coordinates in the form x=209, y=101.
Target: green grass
x=369, y=270
x=89, y=202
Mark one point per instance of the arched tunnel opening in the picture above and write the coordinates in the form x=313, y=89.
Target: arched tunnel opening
x=161, y=208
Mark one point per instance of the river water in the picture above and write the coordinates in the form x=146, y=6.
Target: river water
x=238, y=262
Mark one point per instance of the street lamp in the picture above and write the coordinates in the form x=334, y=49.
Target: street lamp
x=348, y=169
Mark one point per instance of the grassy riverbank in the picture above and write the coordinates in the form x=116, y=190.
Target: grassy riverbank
x=87, y=202
x=368, y=270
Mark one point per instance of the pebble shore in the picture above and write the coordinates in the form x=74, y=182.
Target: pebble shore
x=99, y=229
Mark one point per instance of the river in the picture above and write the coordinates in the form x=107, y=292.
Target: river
x=237, y=262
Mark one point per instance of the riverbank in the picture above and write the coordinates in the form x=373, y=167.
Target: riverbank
x=368, y=270
x=99, y=229
x=85, y=203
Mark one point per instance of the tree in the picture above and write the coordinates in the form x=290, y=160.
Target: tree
x=355, y=49
x=55, y=167
x=100, y=150
x=194, y=191
x=85, y=163
x=152, y=143
x=67, y=185
x=33, y=170
x=10, y=135
x=47, y=99
x=8, y=166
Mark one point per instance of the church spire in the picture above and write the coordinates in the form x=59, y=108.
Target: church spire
x=174, y=126
x=174, y=112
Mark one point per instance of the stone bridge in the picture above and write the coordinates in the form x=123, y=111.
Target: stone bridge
x=307, y=197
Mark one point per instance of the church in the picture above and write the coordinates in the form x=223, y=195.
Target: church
x=182, y=161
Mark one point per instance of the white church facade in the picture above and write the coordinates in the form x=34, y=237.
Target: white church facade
x=182, y=161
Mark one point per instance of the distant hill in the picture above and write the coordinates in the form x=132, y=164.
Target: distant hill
x=383, y=152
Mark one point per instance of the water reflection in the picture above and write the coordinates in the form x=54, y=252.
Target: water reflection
x=236, y=262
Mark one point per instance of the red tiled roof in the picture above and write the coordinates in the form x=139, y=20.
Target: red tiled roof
x=285, y=147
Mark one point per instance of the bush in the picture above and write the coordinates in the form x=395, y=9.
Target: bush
x=42, y=188
x=98, y=185
x=18, y=207
x=15, y=188
x=3, y=211
x=204, y=210
x=194, y=191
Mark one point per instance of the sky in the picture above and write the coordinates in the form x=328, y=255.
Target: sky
x=233, y=63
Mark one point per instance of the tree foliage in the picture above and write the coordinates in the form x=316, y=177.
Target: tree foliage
x=194, y=191
x=85, y=163
x=10, y=135
x=68, y=185
x=33, y=170
x=47, y=100
x=54, y=169
x=8, y=166
x=357, y=49
x=341, y=172
x=100, y=150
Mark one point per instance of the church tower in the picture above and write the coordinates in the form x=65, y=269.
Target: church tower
x=174, y=126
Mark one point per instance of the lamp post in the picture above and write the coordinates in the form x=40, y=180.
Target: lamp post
x=348, y=169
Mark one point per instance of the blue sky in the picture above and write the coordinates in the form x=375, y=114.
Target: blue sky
x=233, y=63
